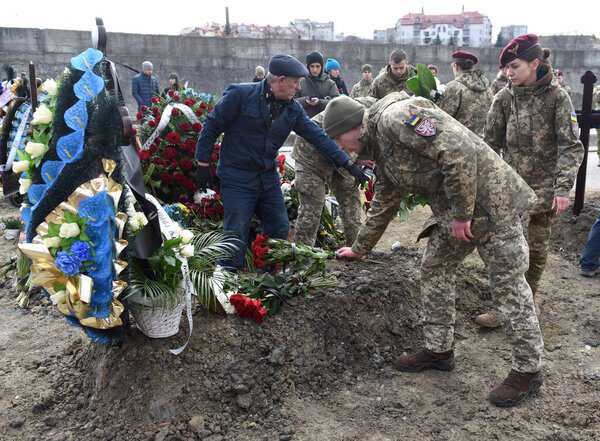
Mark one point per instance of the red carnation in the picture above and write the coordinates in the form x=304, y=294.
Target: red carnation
x=199, y=112
x=143, y=155
x=178, y=176
x=151, y=123
x=174, y=112
x=155, y=99
x=176, y=98
x=155, y=111
x=213, y=172
x=210, y=108
x=157, y=119
x=189, y=102
x=203, y=105
x=186, y=164
x=166, y=179
x=217, y=147
x=169, y=153
x=173, y=137
x=260, y=314
x=190, y=144
x=182, y=146
x=183, y=199
x=197, y=127
x=214, y=157
x=173, y=164
x=152, y=149
x=159, y=161
x=185, y=127
x=157, y=140
x=171, y=92
x=192, y=151
x=139, y=115
x=143, y=108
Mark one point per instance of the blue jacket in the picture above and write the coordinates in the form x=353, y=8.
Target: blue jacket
x=143, y=88
x=250, y=144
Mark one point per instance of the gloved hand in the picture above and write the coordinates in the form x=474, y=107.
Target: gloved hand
x=204, y=177
x=360, y=177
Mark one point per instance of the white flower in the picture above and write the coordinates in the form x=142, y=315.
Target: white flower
x=42, y=115
x=20, y=166
x=24, y=185
x=59, y=297
x=285, y=188
x=52, y=242
x=186, y=236
x=208, y=194
x=50, y=86
x=36, y=149
x=187, y=250
x=69, y=230
x=141, y=220
x=133, y=225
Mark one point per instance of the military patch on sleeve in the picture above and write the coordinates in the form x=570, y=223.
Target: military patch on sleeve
x=422, y=126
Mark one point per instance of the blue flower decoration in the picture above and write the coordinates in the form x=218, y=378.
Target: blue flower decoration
x=70, y=147
x=81, y=250
x=76, y=117
x=69, y=265
x=51, y=170
x=95, y=209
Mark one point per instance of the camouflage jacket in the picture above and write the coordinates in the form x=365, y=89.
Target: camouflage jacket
x=499, y=82
x=468, y=99
x=386, y=82
x=458, y=174
x=596, y=97
x=545, y=153
x=308, y=157
x=322, y=87
x=568, y=90
x=362, y=88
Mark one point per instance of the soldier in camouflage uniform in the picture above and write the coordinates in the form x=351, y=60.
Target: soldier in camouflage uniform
x=468, y=97
x=561, y=81
x=533, y=123
x=313, y=173
x=475, y=198
x=500, y=81
x=363, y=87
x=394, y=77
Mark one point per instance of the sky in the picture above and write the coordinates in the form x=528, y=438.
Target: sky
x=350, y=17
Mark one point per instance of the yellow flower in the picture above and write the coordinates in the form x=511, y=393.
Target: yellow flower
x=36, y=149
x=42, y=115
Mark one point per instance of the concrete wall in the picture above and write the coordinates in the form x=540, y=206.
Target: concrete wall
x=211, y=63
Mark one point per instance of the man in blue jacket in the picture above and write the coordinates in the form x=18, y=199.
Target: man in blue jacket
x=144, y=86
x=256, y=119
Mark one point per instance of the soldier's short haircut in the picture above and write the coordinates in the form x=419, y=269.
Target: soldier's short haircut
x=398, y=56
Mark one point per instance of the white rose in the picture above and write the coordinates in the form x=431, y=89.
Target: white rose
x=186, y=236
x=24, y=185
x=52, y=242
x=285, y=188
x=141, y=219
x=59, y=297
x=187, y=250
x=42, y=115
x=20, y=166
x=69, y=230
x=50, y=86
x=36, y=149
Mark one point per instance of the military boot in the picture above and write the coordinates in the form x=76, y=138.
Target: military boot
x=488, y=320
x=426, y=359
x=516, y=387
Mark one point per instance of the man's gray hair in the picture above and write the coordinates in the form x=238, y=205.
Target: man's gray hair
x=271, y=78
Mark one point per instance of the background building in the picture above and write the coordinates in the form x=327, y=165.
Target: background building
x=507, y=33
x=465, y=29
x=315, y=30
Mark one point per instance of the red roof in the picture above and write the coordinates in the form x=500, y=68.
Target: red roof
x=456, y=20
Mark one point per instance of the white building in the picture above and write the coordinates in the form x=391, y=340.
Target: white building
x=380, y=35
x=315, y=30
x=465, y=29
x=507, y=33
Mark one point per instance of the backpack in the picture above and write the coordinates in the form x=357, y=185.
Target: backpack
x=551, y=98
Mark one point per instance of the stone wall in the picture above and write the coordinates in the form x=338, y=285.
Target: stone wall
x=209, y=64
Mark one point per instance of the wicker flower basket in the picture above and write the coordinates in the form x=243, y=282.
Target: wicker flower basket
x=160, y=321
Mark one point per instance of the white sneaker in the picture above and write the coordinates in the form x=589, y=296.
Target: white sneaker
x=589, y=273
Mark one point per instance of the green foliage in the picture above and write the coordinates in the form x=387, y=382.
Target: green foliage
x=452, y=41
x=437, y=41
x=500, y=42
x=423, y=84
x=408, y=203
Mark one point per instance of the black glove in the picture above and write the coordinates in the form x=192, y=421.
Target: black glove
x=360, y=178
x=204, y=177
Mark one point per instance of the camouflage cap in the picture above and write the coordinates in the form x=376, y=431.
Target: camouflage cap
x=366, y=68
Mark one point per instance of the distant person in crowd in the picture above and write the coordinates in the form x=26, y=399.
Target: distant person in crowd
x=560, y=76
x=590, y=259
x=173, y=84
x=533, y=124
x=468, y=97
x=259, y=74
x=256, y=118
x=363, y=87
x=476, y=199
x=500, y=81
x=332, y=68
x=314, y=174
x=394, y=77
x=144, y=86
x=316, y=89
x=434, y=71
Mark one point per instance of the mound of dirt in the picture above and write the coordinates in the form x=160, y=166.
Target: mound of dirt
x=570, y=233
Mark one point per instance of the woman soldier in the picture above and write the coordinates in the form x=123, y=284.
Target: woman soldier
x=468, y=97
x=532, y=122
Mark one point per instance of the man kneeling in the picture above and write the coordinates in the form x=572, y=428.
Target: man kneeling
x=475, y=198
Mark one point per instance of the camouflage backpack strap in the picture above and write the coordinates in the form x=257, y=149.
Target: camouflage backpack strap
x=506, y=100
x=551, y=98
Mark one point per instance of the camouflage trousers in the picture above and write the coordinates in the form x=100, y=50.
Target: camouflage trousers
x=311, y=195
x=537, y=229
x=504, y=251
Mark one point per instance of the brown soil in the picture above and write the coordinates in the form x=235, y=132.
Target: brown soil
x=320, y=370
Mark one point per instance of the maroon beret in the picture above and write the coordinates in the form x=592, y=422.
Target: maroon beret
x=517, y=47
x=560, y=73
x=464, y=55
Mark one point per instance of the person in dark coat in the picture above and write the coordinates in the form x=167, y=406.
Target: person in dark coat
x=256, y=119
x=316, y=89
x=259, y=74
x=173, y=84
x=332, y=68
x=144, y=86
